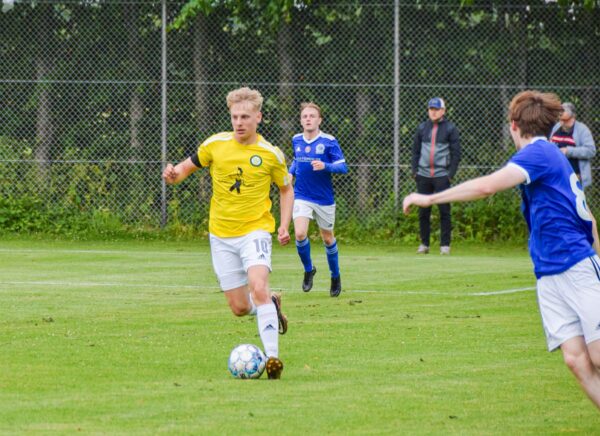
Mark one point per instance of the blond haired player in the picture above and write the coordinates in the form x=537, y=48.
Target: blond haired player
x=243, y=165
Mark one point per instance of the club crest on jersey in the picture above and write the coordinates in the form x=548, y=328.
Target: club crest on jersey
x=307, y=149
x=320, y=149
x=256, y=160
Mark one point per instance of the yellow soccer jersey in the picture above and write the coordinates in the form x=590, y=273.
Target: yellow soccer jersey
x=241, y=182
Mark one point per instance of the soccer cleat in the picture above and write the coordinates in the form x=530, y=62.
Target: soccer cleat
x=283, y=324
x=445, y=249
x=307, y=283
x=336, y=286
x=274, y=368
x=423, y=249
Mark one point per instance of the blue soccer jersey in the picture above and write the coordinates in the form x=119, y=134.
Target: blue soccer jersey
x=311, y=185
x=554, y=206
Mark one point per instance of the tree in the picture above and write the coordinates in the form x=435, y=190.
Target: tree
x=44, y=23
x=271, y=19
x=135, y=50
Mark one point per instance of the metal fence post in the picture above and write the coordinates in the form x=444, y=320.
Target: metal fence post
x=396, y=103
x=163, y=95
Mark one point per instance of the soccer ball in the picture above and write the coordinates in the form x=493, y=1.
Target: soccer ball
x=247, y=361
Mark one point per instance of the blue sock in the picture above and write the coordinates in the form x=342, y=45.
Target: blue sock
x=332, y=259
x=303, y=248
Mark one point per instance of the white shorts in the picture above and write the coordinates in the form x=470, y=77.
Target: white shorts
x=570, y=303
x=324, y=215
x=232, y=257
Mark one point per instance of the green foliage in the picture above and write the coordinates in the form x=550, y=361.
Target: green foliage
x=494, y=219
x=77, y=202
x=270, y=13
x=565, y=4
x=95, y=177
x=497, y=218
x=30, y=214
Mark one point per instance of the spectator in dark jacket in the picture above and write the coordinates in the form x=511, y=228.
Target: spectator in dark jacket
x=435, y=157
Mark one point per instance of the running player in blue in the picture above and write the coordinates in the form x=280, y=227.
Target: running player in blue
x=563, y=238
x=317, y=155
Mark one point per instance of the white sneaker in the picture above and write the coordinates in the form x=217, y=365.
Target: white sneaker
x=423, y=249
x=445, y=250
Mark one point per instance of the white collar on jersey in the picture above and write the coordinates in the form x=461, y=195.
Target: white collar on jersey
x=537, y=138
x=310, y=141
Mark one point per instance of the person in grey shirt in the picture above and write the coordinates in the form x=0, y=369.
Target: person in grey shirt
x=435, y=156
x=576, y=142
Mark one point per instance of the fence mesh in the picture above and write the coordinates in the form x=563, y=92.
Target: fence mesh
x=80, y=92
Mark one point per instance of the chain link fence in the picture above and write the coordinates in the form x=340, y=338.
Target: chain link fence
x=82, y=124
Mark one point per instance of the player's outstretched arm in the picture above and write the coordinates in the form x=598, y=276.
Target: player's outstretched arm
x=178, y=173
x=286, y=204
x=474, y=189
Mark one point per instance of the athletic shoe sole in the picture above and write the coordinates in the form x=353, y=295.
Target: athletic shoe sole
x=283, y=323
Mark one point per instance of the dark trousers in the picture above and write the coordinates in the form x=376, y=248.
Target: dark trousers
x=430, y=185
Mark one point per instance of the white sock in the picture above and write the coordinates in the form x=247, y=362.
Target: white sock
x=253, y=306
x=268, y=328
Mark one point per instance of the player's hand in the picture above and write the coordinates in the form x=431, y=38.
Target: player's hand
x=169, y=174
x=564, y=150
x=318, y=165
x=416, y=199
x=283, y=235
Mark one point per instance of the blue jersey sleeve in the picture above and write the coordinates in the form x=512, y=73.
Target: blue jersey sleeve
x=533, y=161
x=337, y=162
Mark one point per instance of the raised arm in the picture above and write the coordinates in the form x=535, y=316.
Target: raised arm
x=474, y=189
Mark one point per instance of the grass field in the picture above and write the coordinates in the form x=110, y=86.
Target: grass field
x=133, y=338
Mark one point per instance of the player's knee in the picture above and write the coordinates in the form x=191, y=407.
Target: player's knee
x=300, y=235
x=579, y=364
x=328, y=239
x=570, y=360
x=239, y=309
x=260, y=291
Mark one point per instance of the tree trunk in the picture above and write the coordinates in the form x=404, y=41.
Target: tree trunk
x=590, y=63
x=201, y=99
x=517, y=34
x=136, y=105
x=44, y=63
x=201, y=56
x=286, y=77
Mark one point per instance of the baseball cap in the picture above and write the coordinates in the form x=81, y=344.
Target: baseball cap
x=437, y=103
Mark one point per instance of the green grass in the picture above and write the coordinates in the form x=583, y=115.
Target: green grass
x=133, y=338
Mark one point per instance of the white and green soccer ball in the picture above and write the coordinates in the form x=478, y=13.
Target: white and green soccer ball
x=247, y=361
